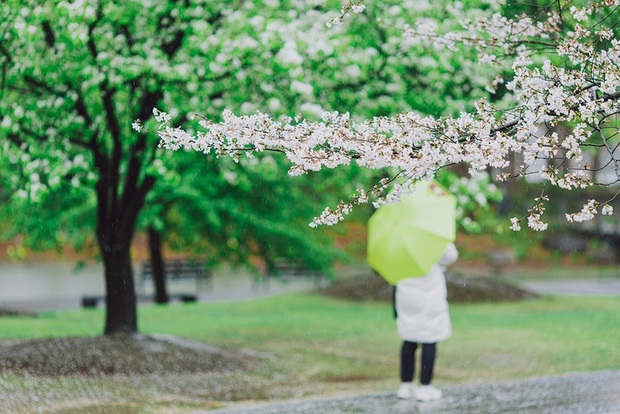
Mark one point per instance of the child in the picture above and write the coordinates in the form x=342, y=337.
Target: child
x=422, y=317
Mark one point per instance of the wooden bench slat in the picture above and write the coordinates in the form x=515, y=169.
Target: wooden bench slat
x=179, y=270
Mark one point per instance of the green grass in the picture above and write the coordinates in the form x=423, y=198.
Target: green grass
x=329, y=339
x=53, y=324
x=547, y=336
x=321, y=346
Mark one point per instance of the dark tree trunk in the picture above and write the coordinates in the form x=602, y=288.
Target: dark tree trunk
x=116, y=223
x=157, y=265
x=120, y=293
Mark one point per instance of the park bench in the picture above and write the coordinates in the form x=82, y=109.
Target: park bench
x=176, y=271
x=179, y=270
x=286, y=271
x=294, y=270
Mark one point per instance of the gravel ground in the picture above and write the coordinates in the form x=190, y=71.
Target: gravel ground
x=116, y=355
x=124, y=375
x=589, y=393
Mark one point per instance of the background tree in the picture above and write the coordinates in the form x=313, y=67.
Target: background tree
x=76, y=75
x=248, y=214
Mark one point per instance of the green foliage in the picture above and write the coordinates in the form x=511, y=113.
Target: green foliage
x=74, y=79
x=522, y=242
x=63, y=219
x=477, y=200
x=237, y=213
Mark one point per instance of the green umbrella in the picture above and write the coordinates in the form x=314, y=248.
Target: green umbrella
x=407, y=238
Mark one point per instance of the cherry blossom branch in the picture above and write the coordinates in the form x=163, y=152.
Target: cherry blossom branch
x=579, y=87
x=351, y=6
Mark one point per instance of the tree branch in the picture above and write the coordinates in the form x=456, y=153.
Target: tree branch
x=50, y=38
x=137, y=157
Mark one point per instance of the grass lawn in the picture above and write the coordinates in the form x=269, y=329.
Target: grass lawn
x=319, y=346
x=326, y=340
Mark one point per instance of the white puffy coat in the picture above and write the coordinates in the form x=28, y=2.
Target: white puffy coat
x=422, y=303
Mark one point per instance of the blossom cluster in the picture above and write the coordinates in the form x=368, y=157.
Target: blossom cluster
x=561, y=77
x=351, y=6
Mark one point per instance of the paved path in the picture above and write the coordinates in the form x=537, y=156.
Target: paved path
x=591, y=287
x=587, y=393
x=46, y=286
x=39, y=287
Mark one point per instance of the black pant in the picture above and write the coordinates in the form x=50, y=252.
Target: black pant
x=407, y=362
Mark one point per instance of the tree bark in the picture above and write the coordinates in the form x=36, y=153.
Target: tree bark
x=121, y=315
x=116, y=223
x=157, y=266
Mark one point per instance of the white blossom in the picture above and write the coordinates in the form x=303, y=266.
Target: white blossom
x=137, y=126
x=566, y=82
x=302, y=87
x=587, y=213
x=161, y=117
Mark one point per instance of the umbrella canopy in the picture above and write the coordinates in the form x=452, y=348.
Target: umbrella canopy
x=407, y=238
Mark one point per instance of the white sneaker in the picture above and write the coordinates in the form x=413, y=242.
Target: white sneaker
x=405, y=391
x=427, y=393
